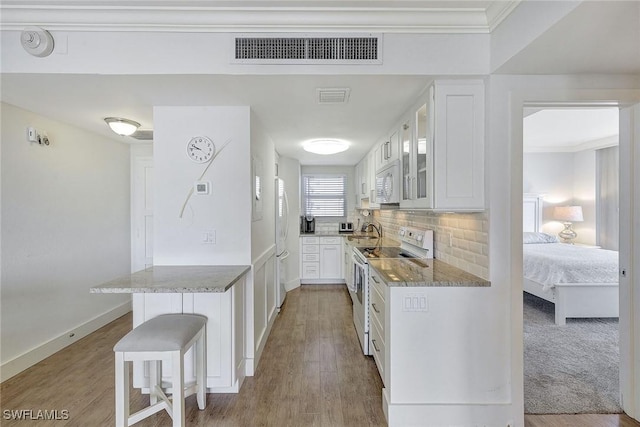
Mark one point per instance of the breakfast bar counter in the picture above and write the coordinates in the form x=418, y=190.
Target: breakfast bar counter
x=176, y=279
x=217, y=292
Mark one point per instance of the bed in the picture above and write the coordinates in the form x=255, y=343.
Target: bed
x=582, y=282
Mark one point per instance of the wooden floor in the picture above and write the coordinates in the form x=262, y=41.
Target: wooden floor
x=312, y=373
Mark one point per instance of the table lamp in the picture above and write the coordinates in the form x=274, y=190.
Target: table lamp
x=568, y=215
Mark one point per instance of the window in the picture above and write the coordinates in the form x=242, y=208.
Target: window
x=324, y=195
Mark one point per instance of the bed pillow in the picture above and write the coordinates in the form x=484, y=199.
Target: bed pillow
x=531, y=237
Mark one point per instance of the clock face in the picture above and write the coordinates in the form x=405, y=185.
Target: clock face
x=200, y=149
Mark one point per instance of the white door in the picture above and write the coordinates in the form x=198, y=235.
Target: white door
x=142, y=214
x=630, y=259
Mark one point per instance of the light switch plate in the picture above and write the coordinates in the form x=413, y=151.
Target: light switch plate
x=415, y=302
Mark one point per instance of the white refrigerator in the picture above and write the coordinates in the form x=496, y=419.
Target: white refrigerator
x=282, y=227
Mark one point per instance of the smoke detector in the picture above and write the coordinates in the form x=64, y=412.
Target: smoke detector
x=36, y=41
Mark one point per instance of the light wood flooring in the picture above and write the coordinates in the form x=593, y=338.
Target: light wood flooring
x=312, y=373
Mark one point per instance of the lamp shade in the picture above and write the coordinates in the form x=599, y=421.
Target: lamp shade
x=123, y=127
x=568, y=213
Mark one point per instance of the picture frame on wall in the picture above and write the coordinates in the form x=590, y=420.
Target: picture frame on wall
x=257, y=184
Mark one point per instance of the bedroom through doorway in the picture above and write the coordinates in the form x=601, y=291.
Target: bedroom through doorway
x=570, y=260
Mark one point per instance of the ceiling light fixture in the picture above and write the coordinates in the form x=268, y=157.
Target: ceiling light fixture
x=325, y=146
x=123, y=127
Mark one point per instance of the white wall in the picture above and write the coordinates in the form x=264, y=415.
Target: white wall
x=584, y=194
x=263, y=292
x=263, y=151
x=182, y=53
x=226, y=211
x=65, y=228
x=564, y=179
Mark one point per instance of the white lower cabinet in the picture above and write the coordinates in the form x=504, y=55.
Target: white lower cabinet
x=321, y=260
x=224, y=331
x=377, y=322
x=432, y=353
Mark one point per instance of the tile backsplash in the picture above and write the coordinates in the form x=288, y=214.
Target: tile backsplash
x=460, y=239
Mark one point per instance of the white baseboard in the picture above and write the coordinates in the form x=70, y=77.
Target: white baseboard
x=264, y=337
x=31, y=357
x=292, y=284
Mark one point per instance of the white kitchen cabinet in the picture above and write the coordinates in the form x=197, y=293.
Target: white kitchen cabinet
x=225, y=331
x=377, y=322
x=362, y=183
x=372, y=180
x=347, y=266
x=419, y=337
x=443, y=149
x=390, y=149
x=321, y=260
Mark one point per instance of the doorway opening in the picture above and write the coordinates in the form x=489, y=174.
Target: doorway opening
x=570, y=260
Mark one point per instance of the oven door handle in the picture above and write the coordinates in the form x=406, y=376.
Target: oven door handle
x=357, y=261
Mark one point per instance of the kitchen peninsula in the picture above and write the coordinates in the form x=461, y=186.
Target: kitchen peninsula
x=217, y=292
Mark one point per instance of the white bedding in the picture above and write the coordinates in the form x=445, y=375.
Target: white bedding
x=553, y=263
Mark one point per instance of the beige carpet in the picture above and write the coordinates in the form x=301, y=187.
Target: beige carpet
x=570, y=369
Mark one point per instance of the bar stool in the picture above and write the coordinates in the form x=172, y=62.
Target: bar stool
x=163, y=338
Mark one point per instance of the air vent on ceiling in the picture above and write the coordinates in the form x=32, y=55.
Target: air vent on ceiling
x=333, y=95
x=143, y=135
x=272, y=49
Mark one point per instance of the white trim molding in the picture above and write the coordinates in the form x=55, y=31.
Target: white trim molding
x=218, y=16
x=31, y=357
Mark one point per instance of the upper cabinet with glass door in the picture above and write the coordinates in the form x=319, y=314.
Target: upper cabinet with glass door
x=443, y=149
x=417, y=167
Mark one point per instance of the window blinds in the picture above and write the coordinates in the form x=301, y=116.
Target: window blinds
x=324, y=195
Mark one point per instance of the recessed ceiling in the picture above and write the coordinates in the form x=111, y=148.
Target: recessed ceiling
x=570, y=129
x=286, y=105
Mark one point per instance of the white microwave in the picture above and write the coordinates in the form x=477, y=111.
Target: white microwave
x=388, y=183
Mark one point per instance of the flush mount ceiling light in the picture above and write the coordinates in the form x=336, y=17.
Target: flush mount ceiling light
x=325, y=146
x=123, y=127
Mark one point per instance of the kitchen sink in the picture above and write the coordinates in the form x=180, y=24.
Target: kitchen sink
x=363, y=237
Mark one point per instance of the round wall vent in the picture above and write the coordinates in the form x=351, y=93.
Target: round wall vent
x=36, y=41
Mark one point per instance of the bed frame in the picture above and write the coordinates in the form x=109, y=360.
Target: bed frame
x=574, y=300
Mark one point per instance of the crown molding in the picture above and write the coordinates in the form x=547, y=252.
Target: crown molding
x=256, y=16
x=594, y=144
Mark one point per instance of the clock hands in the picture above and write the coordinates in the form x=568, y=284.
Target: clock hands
x=196, y=147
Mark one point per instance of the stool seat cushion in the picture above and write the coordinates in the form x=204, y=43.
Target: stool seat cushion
x=168, y=332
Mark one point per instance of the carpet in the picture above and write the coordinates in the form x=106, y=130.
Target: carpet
x=570, y=369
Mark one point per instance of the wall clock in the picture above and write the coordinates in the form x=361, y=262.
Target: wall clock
x=200, y=149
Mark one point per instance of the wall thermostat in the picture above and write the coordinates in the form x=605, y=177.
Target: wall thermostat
x=202, y=187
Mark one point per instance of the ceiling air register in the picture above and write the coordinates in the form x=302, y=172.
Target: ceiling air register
x=308, y=50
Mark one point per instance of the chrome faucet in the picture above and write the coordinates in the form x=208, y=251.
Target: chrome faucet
x=378, y=227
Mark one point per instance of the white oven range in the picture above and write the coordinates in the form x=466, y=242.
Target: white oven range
x=414, y=243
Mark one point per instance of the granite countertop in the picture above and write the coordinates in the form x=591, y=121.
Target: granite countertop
x=423, y=272
x=176, y=279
